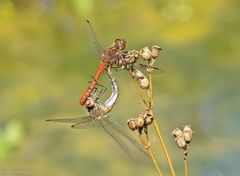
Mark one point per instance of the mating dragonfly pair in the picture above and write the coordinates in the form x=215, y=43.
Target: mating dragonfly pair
x=97, y=112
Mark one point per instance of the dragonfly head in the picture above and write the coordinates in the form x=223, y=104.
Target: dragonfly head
x=120, y=44
x=89, y=103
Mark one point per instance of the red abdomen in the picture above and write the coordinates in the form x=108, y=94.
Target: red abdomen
x=84, y=97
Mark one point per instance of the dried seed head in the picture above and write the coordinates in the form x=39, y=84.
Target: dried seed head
x=177, y=132
x=144, y=83
x=145, y=53
x=187, y=133
x=140, y=121
x=131, y=124
x=131, y=57
x=187, y=128
x=187, y=136
x=150, y=65
x=155, y=51
x=148, y=118
x=138, y=74
x=181, y=143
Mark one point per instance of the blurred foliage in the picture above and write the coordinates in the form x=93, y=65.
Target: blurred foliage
x=10, y=138
x=46, y=61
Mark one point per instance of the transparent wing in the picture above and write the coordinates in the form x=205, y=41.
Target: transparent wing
x=80, y=122
x=94, y=123
x=93, y=37
x=123, y=138
x=84, y=119
x=119, y=142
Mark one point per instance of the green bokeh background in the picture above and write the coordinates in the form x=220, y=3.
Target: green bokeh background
x=46, y=60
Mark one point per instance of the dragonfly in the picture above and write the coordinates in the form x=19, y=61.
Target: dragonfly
x=115, y=56
x=98, y=117
x=111, y=55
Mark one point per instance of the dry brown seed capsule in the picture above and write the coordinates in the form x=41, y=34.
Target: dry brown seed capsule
x=187, y=133
x=131, y=57
x=131, y=124
x=140, y=121
x=181, y=143
x=144, y=83
x=145, y=53
x=138, y=74
x=177, y=132
x=155, y=51
x=148, y=118
x=152, y=61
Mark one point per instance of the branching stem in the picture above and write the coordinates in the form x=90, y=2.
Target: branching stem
x=158, y=130
x=148, y=148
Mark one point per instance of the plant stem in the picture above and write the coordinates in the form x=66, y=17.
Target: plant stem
x=154, y=161
x=185, y=167
x=147, y=146
x=164, y=147
x=150, y=94
x=157, y=128
x=140, y=94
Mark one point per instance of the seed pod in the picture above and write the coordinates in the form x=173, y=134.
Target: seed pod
x=138, y=74
x=144, y=83
x=177, y=132
x=187, y=133
x=152, y=61
x=145, y=53
x=140, y=77
x=131, y=57
x=181, y=143
x=155, y=51
x=140, y=121
x=148, y=118
x=131, y=124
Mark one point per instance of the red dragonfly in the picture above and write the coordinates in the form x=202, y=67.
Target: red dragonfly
x=111, y=55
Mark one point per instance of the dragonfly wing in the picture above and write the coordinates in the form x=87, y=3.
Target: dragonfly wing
x=84, y=119
x=94, y=123
x=117, y=139
x=125, y=140
x=93, y=37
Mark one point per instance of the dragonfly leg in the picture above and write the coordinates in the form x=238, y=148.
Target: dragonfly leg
x=94, y=92
x=102, y=90
x=93, y=79
x=146, y=67
x=97, y=92
x=97, y=82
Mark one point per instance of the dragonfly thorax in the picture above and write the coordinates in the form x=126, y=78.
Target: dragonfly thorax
x=98, y=111
x=113, y=54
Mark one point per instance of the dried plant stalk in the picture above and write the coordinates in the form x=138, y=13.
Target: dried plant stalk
x=158, y=130
x=148, y=148
x=185, y=167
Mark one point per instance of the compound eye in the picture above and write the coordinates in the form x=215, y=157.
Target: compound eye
x=117, y=41
x=123, y=43
x=89, y=103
